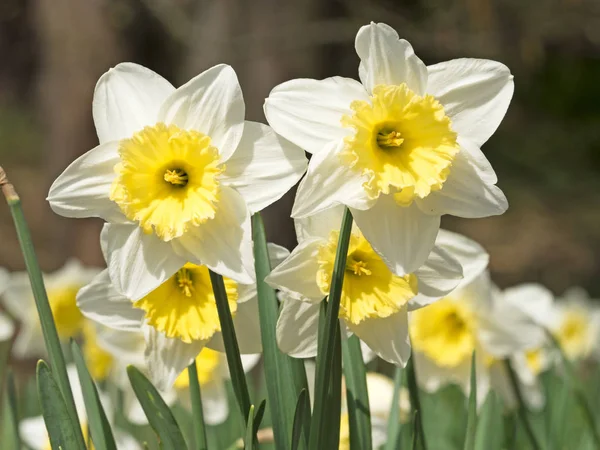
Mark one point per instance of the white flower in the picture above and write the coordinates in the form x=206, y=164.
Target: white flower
x=61, y=287
x=177, y=175
x=402, y=148
x=474, y=317
x=178, y=318
x=33, y=429
x=374, y=302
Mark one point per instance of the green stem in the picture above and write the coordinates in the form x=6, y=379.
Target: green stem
x=514, y=382
x=413, y=391
x=318, y=433
x=393, y=430
x=197, y=412
x=55, y=354
x=579, y=393
x=232, y=350
x=13, y=403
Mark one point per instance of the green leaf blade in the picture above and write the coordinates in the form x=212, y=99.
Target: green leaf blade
x=472, y=416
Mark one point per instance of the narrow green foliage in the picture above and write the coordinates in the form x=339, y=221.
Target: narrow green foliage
x=249, y=429
x=13, y=407
x=490, y=426
x=334, y=396
x=514, y=382
x=279, y=368
x=579, y=392
x=197, y=412
x=260, y=413
x=55, y=355
x=63, y=432
x=357, y=396
x=394, y=426
x=417, y=430
x=413, y=390
x=232, y=350
x=472, y=417
x=300, y=419
x=326, y=363
x=158, y=413
x=97, y=421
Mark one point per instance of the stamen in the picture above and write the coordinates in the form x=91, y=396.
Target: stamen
x=184, y=281
x=390, y=139
x=176, y=177
x=358, y=267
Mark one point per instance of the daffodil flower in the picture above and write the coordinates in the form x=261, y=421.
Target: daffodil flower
x=177, y=175
x=178, y=318
x=474, y=317
x=35, y=435
x=402, y=147
x=374, y=302
x=61, y=287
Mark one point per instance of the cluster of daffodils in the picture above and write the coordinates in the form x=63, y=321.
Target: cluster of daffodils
x=177, y=176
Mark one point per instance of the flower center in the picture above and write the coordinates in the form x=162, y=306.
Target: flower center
x=444, y=331
x=98, y=360
x=402, y=142
x=370, y=290
x=534, y=359
x=68, y=318
x=573, y=334
x=167, y=180
x=184, y=306
x=207, y=364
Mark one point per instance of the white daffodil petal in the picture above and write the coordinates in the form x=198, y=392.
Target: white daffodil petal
x=381, y=393
x=100, y=302
x=137, y=262
x=329, y=182
x=309, y=112
x=297, y=328
x=277, y=254
x=465, y=194
x=264, y=167
x=387, y=59
x=33, y=433
x=478, y=160
x=247, y=330
x=534, y=300
x=297, y=275
x=319, y=225
x=402, y=235
x=223, y=244
x=7, y=327
x=388, y=337
x=211, y=103
x=83, y=188
x=126, y=99
x=18, y=298
x=440, y=274
x=214, y=402
x=249, y=362
x=29, y=342
x=475, y=94
x=166, y=357
x=472, y=257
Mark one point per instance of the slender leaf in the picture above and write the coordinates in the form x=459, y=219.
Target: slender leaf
x=394, y=426
x=55, y=354
x=299, y=418
x=472, y=417
x=580, y=395
x=197, y=412
x=490, y=426
x=279, y=368
x=325, y=358
x=62, y=431
x=417, y=430
x=334, y=395
x=13, y=409
x=413, y=390
x=97, y=421
x=357, y=396
x=158, y=413
x=258, y=417
x=232, y=350
x=250, y=433
x=514, y=382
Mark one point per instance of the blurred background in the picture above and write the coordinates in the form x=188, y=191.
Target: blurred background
x=546, y=152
